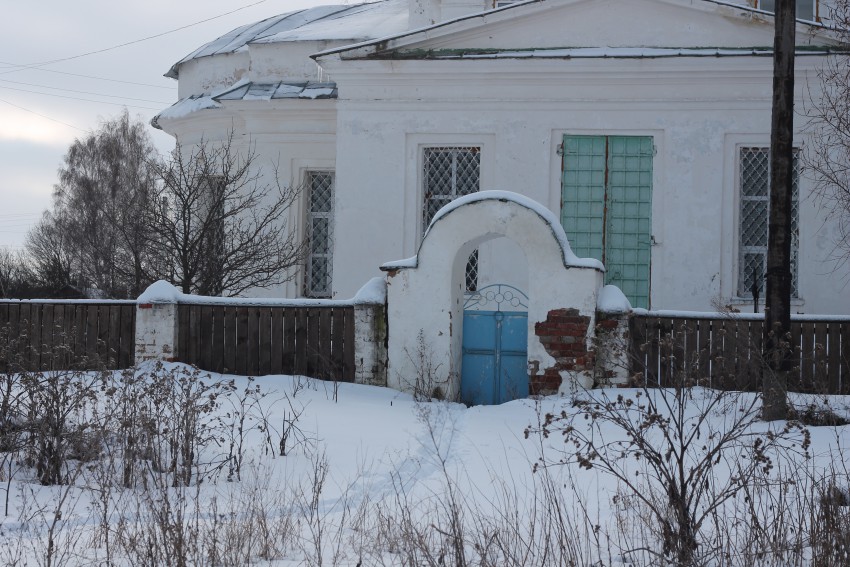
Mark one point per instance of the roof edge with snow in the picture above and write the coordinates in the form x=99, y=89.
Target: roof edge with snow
x=247, y=91
x=333, y=22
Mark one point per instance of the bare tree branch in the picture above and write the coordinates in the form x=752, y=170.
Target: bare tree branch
x=220, y=225
x=827, y=159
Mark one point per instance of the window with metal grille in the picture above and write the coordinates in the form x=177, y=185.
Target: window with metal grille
x=211, y=269
x=449, y=173
x=754, y=214
x=318, y=273
x=806, y=9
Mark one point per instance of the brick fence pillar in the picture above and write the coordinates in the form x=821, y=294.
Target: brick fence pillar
x=370, y=344
x=612, y=349
x=156, y=323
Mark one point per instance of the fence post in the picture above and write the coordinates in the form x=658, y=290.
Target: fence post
x=613, y=347
x=156, y=323
x=370, y=333
x=370, y=345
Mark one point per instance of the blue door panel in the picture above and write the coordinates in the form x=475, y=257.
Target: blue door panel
x=478, y=331
x=514, y=379
x=479, y=379
x=495, y=367
x=514, y=332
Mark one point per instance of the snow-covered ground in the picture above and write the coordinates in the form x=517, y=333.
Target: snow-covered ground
x=373, y=477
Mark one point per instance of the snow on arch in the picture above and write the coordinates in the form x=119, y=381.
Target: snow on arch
x=570, y=259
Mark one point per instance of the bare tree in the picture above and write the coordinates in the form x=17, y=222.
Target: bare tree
x=97, y=218
x=14, y=273
x=219, y=225
x=827, y=158
x=51, y=254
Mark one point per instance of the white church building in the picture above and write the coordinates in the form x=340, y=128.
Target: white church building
x=643, y=125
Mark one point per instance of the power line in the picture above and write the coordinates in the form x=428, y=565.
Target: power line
x=79, y=98
x=105, y=49
x=81, y=92
x=170, y=88
x=42, y=115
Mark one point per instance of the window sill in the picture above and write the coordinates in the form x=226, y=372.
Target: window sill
x=748, y=301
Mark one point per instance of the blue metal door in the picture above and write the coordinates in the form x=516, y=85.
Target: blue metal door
x=495, y=349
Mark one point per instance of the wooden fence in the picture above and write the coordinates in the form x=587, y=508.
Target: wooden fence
x=315, y=341
x=53, y=335
x=724, y=351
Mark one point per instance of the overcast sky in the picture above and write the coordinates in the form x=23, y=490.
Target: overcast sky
x=41, y=111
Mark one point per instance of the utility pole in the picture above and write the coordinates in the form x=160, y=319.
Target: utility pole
x=777, y=311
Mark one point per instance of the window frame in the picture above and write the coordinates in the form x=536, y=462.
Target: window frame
x=309, y=216
x=815, y=9
x=472, y=266
x=213, y=218
x=740, y=294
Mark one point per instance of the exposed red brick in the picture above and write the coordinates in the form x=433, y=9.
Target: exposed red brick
x=563, y=335
x=544, y=385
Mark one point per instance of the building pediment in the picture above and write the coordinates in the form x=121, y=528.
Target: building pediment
x=619, y=24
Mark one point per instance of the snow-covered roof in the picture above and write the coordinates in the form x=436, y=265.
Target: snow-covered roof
x=247, y=90
x=352, y=24
x=277, y=90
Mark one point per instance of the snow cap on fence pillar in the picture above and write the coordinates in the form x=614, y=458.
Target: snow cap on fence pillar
x=613, y=301
x=373, y=292
x=160, y=292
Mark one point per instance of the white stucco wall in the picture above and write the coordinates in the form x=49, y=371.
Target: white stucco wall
x=156, y=332
x=289, y=138
x=427, y=12
x=698, y=111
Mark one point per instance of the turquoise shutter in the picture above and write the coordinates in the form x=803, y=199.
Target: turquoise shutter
x=606, y=207
x=629, y=217
x=583, y=194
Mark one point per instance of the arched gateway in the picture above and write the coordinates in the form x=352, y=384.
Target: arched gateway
x=426, y=298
